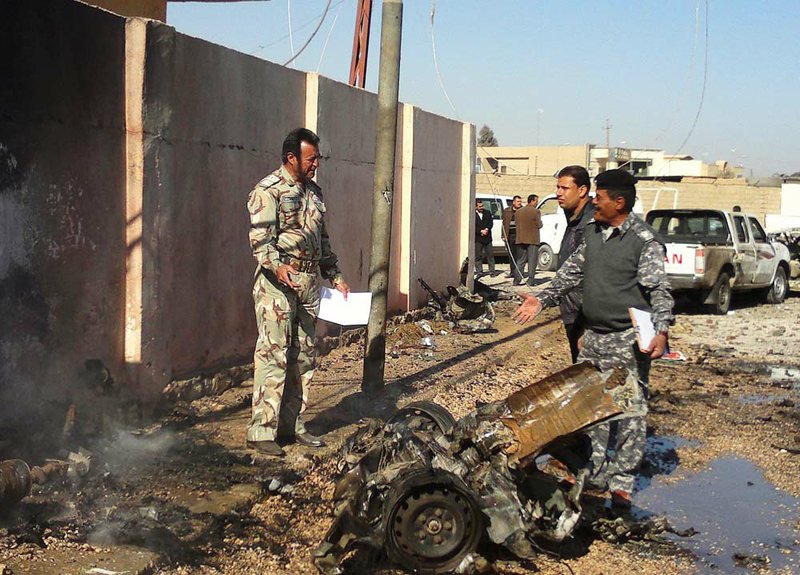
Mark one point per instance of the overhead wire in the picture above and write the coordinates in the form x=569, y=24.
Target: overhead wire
x=289, y=19
x=670, y=124
x=328, y=37
x=314, y=33
x=658, y=176
x=702, y=93
x=436, y=62
x=512, y=259
x=297, y=29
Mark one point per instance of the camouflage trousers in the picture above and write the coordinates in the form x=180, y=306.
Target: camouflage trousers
x=285, y=356
x=618, y=445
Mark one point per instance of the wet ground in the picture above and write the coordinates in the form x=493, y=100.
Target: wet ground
x=741, y=520
x=184, y=496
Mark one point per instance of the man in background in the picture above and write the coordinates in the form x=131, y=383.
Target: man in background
x=528, y=222
x=509, y=233
x=483, y=238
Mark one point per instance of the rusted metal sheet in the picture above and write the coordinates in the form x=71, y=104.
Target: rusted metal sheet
x=559, y=404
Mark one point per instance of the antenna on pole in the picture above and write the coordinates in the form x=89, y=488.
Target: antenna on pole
x=607, y=128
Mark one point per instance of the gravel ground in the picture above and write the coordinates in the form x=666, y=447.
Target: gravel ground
x=187, y=492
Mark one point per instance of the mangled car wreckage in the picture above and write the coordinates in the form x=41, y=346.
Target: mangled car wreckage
x=426, y=488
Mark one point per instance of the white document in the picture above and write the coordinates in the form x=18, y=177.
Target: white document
x=353, y=311
x=643, y=324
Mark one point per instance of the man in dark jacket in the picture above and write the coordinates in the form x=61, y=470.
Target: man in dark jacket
x=572, y=193
x=528, y=222
x=510, y=233
x=483, y=238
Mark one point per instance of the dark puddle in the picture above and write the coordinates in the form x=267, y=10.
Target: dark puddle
x=743, y=522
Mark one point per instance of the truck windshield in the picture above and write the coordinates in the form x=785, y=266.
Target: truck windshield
x=708, y=227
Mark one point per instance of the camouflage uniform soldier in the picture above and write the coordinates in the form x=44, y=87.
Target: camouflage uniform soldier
x=619, y=264
x=290, y=244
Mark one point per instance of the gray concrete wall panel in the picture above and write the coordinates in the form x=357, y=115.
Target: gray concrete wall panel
x=436, y=204
x=346, y=126
x=215, y=120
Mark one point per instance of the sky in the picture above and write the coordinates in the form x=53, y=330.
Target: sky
x=714, y=79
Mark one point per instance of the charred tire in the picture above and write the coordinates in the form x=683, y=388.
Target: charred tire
x=432, y=522
x=721, y=293
x=421, y=414
x=776, y=293
x=546, y=260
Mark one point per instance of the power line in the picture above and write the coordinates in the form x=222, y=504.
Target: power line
x=289, y=18
x=314, y=33
x=328, y=37
x=435, y=61
x=305, y=24
x=703, y=92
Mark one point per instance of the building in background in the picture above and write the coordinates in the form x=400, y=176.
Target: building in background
x=643, y=163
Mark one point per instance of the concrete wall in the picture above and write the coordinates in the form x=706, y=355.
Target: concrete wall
x=127, y=152
x=62, y=202
x=436, y=210
x=208, y=141
x=345, y=114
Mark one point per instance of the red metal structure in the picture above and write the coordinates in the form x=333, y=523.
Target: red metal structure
x=358, y=62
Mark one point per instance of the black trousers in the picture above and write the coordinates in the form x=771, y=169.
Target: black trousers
x=574, y=333
x=480, y=250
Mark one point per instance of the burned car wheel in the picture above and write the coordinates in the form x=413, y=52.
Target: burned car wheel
x=423, y=414
x=432, y=522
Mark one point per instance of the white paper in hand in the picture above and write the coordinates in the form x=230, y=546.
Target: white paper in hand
x=352, y=311
x=643, y=324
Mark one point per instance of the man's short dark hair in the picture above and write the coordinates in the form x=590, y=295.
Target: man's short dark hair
x=532, y=197
x=515, y=197
x=579, y=175
x=291, y=144
x=618, y=184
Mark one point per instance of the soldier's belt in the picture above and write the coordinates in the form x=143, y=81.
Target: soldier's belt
x=305, y=266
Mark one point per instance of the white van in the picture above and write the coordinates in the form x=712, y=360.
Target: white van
x=553, y=224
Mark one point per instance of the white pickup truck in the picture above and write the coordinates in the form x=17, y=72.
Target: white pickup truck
x=714, y=253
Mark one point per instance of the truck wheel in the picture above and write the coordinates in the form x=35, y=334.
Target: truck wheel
x=722, y=295
x=547, y=261
x=776, y=293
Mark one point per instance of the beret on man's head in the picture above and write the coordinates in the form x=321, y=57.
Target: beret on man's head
x=615, y=180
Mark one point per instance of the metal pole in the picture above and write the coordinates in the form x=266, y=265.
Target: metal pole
x=383, y=189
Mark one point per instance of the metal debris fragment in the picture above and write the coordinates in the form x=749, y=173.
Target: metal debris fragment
x=425, y=488
x=17, y=478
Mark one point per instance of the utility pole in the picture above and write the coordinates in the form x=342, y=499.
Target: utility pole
x=607, y=128
x=383, y=191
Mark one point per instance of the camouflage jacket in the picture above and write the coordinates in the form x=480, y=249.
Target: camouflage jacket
x=650, y=274
x=287, y=220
